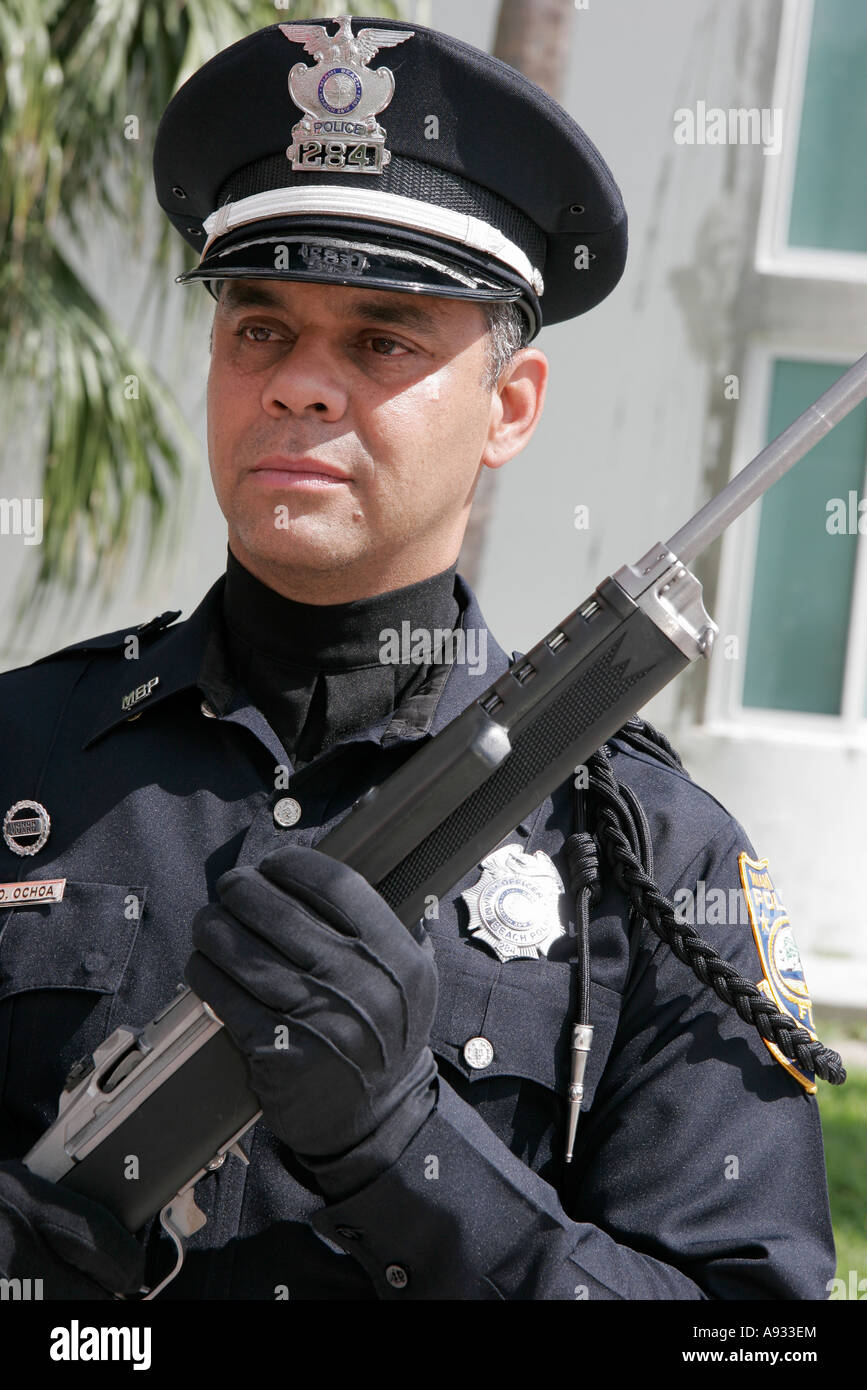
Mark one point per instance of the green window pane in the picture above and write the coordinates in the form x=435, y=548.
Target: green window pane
x=802, y=590
x=829, y=204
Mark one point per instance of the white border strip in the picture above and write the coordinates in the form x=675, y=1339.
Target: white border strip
x=379, y=207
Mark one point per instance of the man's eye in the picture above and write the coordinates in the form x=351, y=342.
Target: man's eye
x=262, y=333
x=391, y=342
x=253, y=328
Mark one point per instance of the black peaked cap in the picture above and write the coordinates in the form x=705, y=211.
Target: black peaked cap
x=477, y=184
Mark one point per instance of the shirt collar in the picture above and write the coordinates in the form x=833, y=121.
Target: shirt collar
x=163, y=669
x=331, y=638
x=191, y=655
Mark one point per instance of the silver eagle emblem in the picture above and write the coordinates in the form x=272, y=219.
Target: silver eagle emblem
x=341, y=98
x=514, y=906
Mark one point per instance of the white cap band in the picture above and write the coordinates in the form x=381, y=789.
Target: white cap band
x=378, y=207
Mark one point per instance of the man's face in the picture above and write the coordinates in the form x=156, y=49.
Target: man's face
x=382, y=385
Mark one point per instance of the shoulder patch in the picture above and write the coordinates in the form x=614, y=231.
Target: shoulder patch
x=783, y=974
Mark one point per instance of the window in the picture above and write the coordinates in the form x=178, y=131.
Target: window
x=792, y=598
x=814, y=209
x=805, y=556
x=794, y=576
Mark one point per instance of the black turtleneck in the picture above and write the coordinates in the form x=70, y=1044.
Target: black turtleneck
x=315, y=670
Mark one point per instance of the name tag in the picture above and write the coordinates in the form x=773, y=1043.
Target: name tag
x=35, y=890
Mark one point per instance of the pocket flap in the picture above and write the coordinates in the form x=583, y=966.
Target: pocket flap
x=525, y=1010
x=81, y=942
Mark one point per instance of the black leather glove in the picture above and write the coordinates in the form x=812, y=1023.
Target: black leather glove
x=330, y=998
x=76, y=1247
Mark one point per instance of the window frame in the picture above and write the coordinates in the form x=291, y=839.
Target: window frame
x=725, y=713
x=774, y=256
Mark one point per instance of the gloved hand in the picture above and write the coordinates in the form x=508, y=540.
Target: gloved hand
x=328, y=995
x=75, y=1246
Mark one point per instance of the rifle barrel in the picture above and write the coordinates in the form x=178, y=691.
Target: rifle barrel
x=774, y=460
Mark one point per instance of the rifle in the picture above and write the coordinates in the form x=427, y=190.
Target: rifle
x=176, y=1092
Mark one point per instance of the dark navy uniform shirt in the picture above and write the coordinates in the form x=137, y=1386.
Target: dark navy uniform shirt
x=148, y=810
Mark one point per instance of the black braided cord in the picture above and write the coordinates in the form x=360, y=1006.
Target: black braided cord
x=582, y=857
x=624, y=836
x=645, y=737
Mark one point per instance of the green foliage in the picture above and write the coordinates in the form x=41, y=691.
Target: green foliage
x=71, y=71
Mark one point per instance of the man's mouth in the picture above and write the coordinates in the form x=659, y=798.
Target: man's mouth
x=283, y=470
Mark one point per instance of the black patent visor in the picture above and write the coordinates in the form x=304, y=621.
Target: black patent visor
x=364, y=261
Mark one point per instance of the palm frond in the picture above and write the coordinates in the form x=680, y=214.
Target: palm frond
x=71, y=73
x=113, y=436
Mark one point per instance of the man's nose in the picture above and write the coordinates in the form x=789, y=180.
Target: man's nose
x=307, y=380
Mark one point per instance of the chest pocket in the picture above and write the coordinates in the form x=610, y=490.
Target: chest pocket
x=61, y=967
x=524, y=1010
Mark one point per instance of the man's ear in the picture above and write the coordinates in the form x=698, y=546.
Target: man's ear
x=517, y=402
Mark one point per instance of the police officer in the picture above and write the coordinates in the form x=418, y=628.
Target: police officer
x=385, y=217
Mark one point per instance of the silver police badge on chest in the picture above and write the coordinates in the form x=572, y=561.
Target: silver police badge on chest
x=514, y=906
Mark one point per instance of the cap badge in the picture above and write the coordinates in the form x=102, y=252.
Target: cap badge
x=26, y=834
x=513, y=907
x=341, y=98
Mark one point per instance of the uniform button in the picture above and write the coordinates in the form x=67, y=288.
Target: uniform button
x=348, y=1233
x=207, y=711
x=478, y=1053
x=287, y=811
x=93, y=960
x=397, y=1276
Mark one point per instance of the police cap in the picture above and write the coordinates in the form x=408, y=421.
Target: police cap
x=476, y=184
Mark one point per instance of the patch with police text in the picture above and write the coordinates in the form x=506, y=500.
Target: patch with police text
x=781, y=962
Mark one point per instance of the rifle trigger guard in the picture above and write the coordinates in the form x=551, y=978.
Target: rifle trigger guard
x=180, y=1218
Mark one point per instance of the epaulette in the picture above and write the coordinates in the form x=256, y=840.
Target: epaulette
x=111, y=641
x=637, y=733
